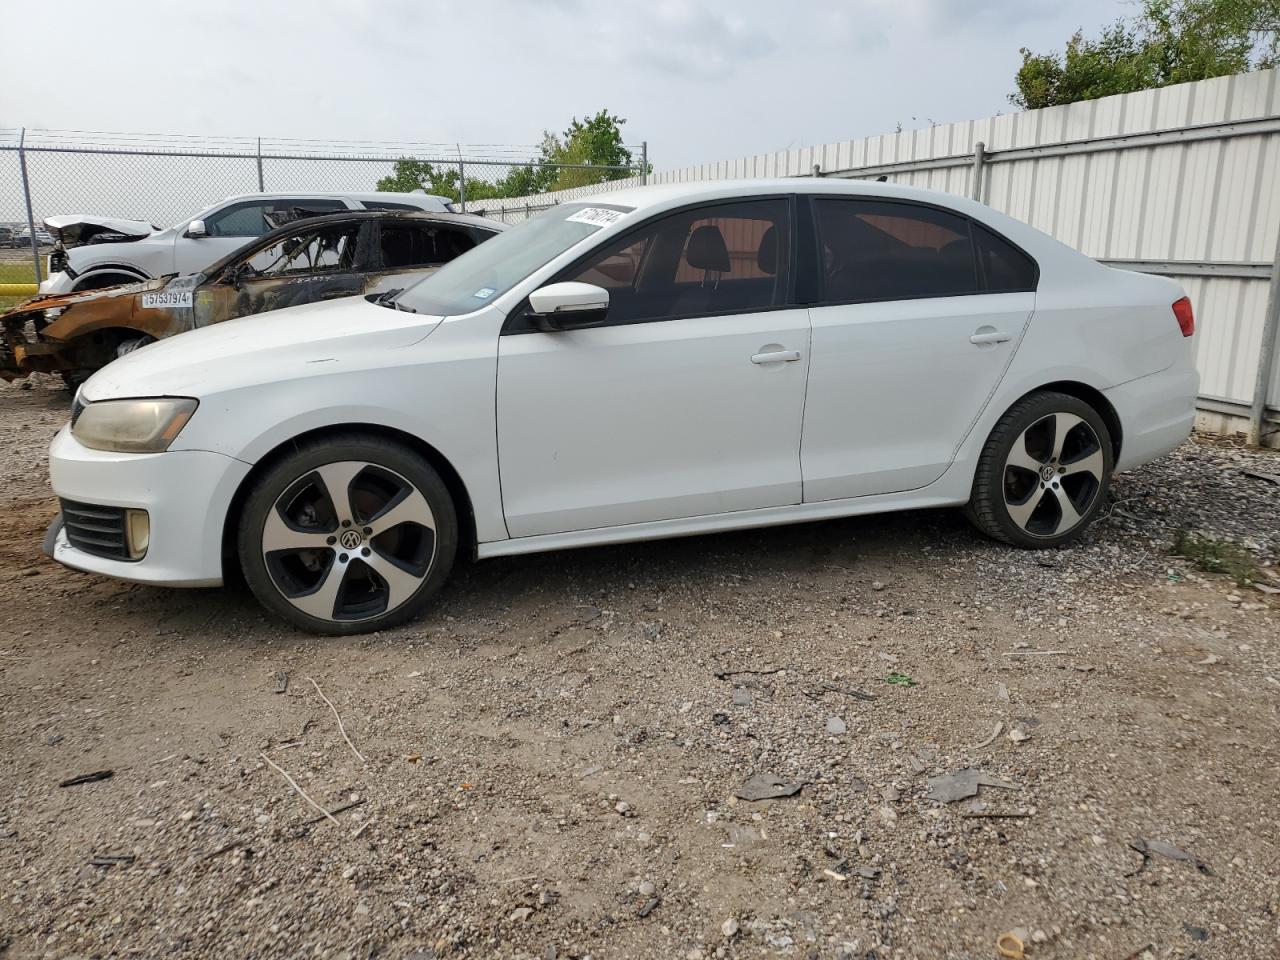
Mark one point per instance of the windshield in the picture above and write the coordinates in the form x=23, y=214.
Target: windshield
x=491, y=269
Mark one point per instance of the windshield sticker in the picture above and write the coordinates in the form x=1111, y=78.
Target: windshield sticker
x=594, y=216
x=484, y=293
x=158, y=301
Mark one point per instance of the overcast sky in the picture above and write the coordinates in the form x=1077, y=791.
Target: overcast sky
x=699, y=80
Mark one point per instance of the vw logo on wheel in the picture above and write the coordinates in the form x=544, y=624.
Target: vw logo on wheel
x=350, y=539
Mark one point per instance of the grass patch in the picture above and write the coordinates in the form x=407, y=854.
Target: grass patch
x=1213, y=555
x=15, y=271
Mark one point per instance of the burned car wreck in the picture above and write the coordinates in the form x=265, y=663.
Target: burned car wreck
x=321, y=258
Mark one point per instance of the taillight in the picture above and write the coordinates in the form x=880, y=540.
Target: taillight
x=1186, y=319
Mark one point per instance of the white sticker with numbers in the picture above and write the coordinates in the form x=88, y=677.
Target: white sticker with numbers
x=163, y=299
x=594, y=216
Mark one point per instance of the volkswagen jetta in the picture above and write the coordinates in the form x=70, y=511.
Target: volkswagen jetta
x=655, y=362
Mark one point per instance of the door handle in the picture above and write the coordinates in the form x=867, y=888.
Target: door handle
x=777, y=356
x=993, y=336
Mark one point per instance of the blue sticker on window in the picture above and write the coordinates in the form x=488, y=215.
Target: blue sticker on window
x=484, y=293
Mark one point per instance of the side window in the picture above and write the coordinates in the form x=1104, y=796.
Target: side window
x=406, y=245
x=330, y=249
x=878, y=250
x=727, y=258
x=1005, y=268
x=240, y=220
x=253, y=218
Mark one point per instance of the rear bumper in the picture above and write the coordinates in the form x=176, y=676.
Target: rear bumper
x=187, y=494
x=1156, y=413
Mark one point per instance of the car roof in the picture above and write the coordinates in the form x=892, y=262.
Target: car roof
x=348, y=216
x=675, y=194
x=338, y=195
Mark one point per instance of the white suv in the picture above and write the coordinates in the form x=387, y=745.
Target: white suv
x=112, y=251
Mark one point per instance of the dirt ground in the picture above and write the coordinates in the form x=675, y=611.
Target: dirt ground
x=548, y=760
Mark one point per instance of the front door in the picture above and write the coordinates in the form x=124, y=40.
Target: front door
x=687, y=402
x=307, y=266
x=918, y=314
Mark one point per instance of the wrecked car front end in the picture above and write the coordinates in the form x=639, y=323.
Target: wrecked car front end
x=74, y=334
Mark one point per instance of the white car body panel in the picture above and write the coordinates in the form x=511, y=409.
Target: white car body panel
x=161, y=252
x=894, y=387
x=728, y=443
x=707, y=430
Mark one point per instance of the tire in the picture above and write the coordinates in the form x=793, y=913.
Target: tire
x=1043, y=475
x=371, y=561
x=133, y=343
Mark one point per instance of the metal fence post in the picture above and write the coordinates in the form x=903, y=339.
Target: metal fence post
x=644, y=162
x=1267, y=355
x=261, y=188
x=979, y=165
x=462, y=186
x=26, y=194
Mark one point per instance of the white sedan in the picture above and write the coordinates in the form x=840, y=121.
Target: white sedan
x=656, y=362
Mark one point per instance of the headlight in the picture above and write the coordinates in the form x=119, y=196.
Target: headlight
x=133, y=426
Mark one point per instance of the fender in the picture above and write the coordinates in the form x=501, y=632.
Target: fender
x=114, y=311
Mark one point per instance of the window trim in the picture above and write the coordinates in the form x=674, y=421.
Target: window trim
x=979, y=268
x=519, y=321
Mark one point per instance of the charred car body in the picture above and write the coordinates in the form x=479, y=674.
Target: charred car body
x=321, y=258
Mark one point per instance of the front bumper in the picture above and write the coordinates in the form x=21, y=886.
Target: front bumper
x=59, y=282
x=187, y=494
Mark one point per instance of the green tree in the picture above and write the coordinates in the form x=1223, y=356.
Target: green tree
x=594, y=141
x=1171, y=41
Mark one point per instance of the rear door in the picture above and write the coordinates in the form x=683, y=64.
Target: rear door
x=918, y=314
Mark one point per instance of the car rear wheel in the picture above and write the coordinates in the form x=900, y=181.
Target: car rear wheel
x=348, y=535
x=1043, y=475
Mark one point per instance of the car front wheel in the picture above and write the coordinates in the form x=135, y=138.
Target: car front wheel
x=1042, y=477
x=348, y=535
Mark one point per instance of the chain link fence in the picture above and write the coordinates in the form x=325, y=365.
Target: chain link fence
x=163, y=180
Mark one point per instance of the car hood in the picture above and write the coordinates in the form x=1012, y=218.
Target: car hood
x=78, y=228
x=280, y=345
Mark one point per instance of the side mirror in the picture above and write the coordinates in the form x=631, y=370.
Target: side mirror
x=196, y=229
x=568, y=306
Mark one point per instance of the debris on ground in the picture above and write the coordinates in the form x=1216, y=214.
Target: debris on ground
x=995, y=732
x=767, y=786
x=962, y=784
x=282, y=681
x=1147, y=847
x=83, y=778
x=900, y=680
x=1018, y=734
x=111, y=859
x=1011, y=946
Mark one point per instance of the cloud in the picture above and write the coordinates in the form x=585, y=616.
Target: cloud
x=695, y=40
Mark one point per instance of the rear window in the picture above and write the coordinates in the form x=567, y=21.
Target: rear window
x=1005, y=268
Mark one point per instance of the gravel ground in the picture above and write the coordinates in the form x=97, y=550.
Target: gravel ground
x=547, y=762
